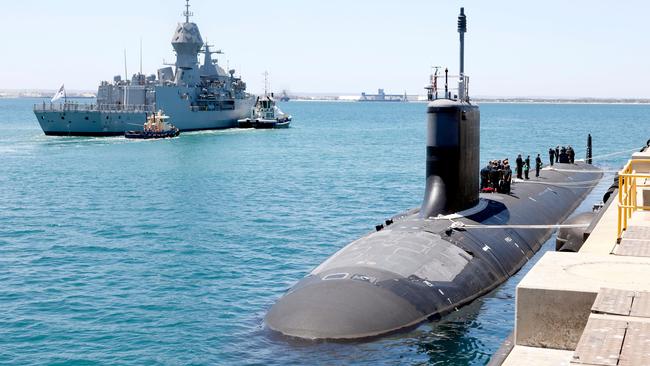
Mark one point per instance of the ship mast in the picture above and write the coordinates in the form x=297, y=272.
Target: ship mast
x=126, y=82
x=187, y=13
x=140, y=55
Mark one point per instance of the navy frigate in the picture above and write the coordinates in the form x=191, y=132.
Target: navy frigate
x=429, y=261
x=196, y=97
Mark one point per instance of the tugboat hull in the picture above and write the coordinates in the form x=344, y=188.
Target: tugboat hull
x=147, y=136
x=264, y=124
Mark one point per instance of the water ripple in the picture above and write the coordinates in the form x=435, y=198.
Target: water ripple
x=170, y=252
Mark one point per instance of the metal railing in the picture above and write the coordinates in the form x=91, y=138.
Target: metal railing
x=627, y=191
x=446, y=87
x=76, y=107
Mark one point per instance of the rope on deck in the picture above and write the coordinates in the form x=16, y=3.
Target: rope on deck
x=616, y=153
x=461, y=226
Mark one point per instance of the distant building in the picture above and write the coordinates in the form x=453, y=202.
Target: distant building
x=381, y=96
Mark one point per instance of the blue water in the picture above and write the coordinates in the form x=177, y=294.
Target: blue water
x=170, y=252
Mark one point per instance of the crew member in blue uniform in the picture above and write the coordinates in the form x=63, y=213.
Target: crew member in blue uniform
x=538, y=165
x=520, y=166
x=485, y=175
x=551, y=155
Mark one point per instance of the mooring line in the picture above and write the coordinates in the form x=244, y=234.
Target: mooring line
x=462, y=226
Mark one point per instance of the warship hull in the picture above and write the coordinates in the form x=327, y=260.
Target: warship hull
x=82, y=120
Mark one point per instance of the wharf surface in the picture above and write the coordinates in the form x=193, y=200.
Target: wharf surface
x=592, y=307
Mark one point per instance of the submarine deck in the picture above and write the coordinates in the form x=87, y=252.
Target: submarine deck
x=592, y=307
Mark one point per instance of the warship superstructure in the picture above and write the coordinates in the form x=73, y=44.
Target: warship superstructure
x=196, y=97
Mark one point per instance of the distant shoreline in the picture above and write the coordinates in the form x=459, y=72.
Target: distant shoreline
x=622, y=101
x=559, y=101
x=488, y=101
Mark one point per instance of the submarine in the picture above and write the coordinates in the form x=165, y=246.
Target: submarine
x=429, y=261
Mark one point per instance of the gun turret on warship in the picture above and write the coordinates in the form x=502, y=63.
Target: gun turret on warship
x=196, y=97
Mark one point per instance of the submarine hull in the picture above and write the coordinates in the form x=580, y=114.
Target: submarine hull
x=418, y=269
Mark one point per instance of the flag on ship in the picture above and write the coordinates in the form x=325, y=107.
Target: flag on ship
x=60, y=94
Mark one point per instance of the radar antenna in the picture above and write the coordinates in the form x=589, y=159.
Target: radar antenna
x=206, y=49
x=187, y=13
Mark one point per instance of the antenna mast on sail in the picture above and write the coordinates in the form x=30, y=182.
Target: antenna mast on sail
x=462, y=28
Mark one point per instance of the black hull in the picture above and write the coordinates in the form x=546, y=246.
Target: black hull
x=150, y=135
x=415, y=269
x=263, y=125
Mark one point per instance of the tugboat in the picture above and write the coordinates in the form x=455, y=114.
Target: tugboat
x=156, y=127
x=265, y=114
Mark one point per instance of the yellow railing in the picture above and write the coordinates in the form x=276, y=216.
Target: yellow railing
x=627, y=191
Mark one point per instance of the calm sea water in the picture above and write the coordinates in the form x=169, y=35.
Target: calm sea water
x=170, y=252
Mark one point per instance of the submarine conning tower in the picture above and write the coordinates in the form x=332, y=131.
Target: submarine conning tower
x=453, y=145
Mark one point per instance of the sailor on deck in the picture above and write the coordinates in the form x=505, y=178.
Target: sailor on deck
x=485, y=175
x=571, y=153
x=526, y=167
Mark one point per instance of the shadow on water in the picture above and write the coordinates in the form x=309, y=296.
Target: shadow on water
x=450, y=342
x=453, y=340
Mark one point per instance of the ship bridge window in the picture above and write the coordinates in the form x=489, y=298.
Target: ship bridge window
x=42, y=117
x=86, y=118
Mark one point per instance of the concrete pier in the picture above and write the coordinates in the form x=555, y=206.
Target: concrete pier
x=593, y=307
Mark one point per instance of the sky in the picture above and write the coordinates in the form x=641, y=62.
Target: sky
x=550, y=48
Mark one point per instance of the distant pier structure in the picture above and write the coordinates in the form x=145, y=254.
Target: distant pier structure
x=381, y=96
